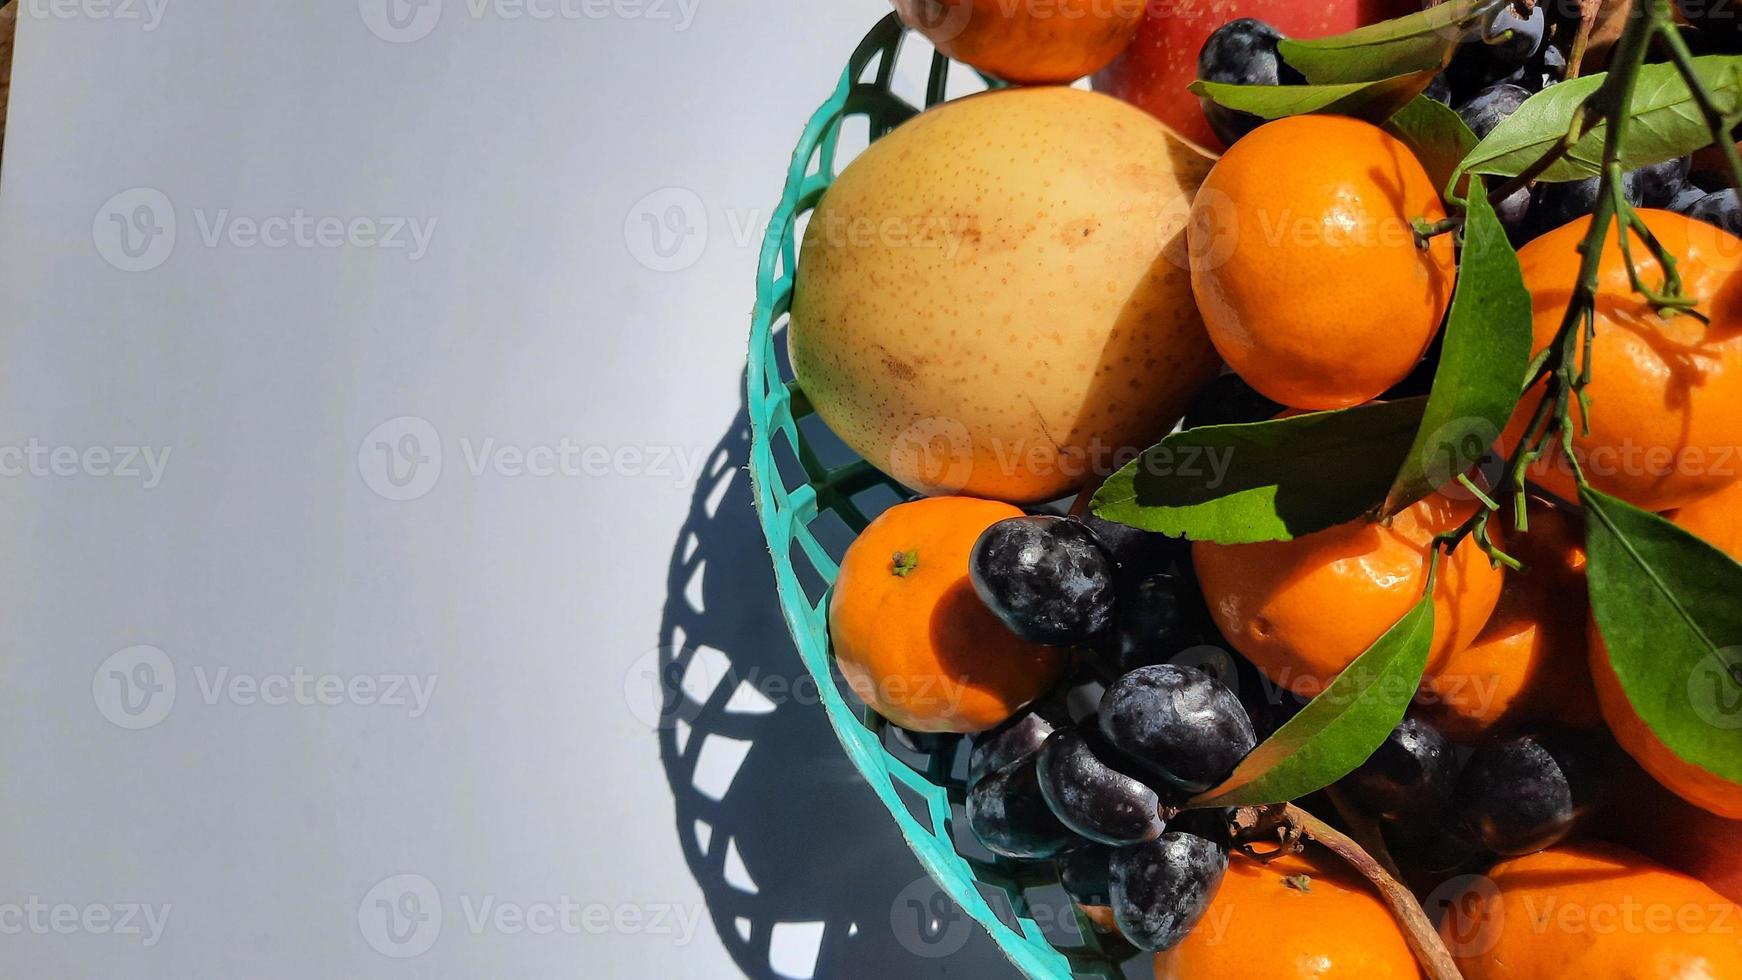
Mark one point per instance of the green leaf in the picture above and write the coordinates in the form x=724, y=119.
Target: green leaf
x=1666, y=603
x=1422, y=41
x=1666, y=122
x=1436, y=135
x=1485, y=353
x=1374, y=101
x=1264, y=481
x=1342, y=727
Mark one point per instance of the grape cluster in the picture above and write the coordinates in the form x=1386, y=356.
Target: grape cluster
x=1503, y=64
x=1447, y=806
x=1101, y=791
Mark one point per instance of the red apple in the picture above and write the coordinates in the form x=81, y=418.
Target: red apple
x=1155, y=70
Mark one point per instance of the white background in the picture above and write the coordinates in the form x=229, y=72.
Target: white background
x=268, y=550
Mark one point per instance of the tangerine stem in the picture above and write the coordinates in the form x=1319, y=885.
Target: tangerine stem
x=1566, y=369
x=1424, y=941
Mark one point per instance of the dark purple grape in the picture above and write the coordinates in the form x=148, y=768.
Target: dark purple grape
x=1482, y=114
x=1084, y=873
x=1156, y=617
x=1514, y=213
x=1044, y=577
x=1018, y=738
x=1439, y=90
x=1437, y=847
x=1685, y=200
x=1549, y=67
x=1241, y=52
x=1658, y=184
x=1506, y=46
x=1720, y=209
x=1491, y=107
x=1521, y=795
x=1178, y=723
x=1161, y=889
x=1412, y=775
x=1556, y=204
x=1092, y=798
x=1135, y=551
x=1009, y=817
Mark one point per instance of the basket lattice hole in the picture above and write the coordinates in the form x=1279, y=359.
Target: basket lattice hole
x=1050, y=907
x=963, y=83
x=852, y=138
x=782, y=352
x=786, y=463
x=967, y=845
x=916, y=804
x=958, y=771
x=876, y=499
x=874, y=68
x=998, y=900
x=828, y=447
x=800, y=222
x=814, y=166
x=810, y=579
x=832, y=533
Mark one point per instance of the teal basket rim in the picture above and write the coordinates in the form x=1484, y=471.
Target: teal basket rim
x=775, y=407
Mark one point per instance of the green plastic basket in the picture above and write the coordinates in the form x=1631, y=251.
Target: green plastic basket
x=795, y=495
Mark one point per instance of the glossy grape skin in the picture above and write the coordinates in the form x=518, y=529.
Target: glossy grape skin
x=1241, y=52
x=1161, y=889
x=1556, y=204
x=1135, y=552
x=1085, y=872
x=1009, y=817
x=1046, y=578
x=1178, y=723
x=1439, y=90
x=1482, y=114
x=1017, y=739
x=1414, y=773
x=1685, y=200
x=1720, y=209
x=1508, y=46
x=1548, y=68
x=1657, y=184
x=1155, y=618
x=1522, y=795
x=1491, y=107
x=1093, y=799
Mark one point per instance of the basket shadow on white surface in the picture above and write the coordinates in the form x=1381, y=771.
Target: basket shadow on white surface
x=803, y=872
